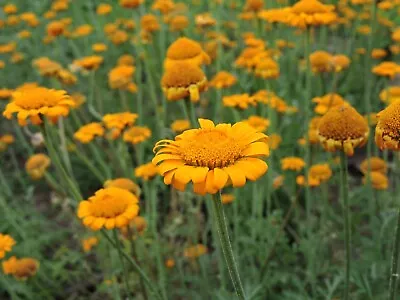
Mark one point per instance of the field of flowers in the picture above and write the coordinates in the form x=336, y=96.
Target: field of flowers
x=192, y=149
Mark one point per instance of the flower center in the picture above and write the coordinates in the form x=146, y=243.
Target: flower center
x=108, y=207
x=211, y=148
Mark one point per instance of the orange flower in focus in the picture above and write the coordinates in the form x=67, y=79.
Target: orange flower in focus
x=342, y=128
x=182, y=80
x=201, y=156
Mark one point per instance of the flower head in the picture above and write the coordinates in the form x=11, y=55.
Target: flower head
x=386, y=69
x=267, y=68
x=390, y=94
x=328, y=101
x=376, y=164
x=378, y=180
x=22, y=268
x=88, y=132
x=182, y=80
x=37, y=102
x=130, y=3
x=146, y=171
x=241, y=101
x=179, y=126
x=258, y=123
x=212, y=157
x=89, y=243
x=292, y=163
x=187, y=50
x=387, y=132
x=321, y=61
x=119, y=121
x=123, y=183
x=195, y=251
x=37, y=165
x=120, y=76
x=307, y=13
x=320, y=172
x=342, y=128
x=136, y=226
x=223, y=79
x=110, y=208
x=89, y=62
x=6, y=244
x=227, y=198
x=137, y=134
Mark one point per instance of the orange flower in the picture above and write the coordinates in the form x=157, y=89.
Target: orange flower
x=183, y=80
x=274, y=141
x=258, y=123
x=149, y=23
x=292, y=163
x=103, y=9
x=6, y=244
x=267, y=68
x=123, y=183
x=386, y=69
x=195, y=251
x=378, y=180
x=241, y=101
x=110, y=208
x=223, y=79
x=307, y=13
x=378, y=53
x=390, y=95
x=130, y=3
x=22, y=268
x=342, y=128
x=119, y=121
x=328, y=101
x=178, y=23
x=89, y=62
x=55, y=28
x=179, y=126
x=321, y=61
x=88, y=132
x=137, y=134
x=200, y=156
x=387, y=132
x=120, y=77
x=146, y=171
x=36, y=102
x=184, y=49
x=227, y=198
x=376, y=164
x=37, y=165
x=89, y=243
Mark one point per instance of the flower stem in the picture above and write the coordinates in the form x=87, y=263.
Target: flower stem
x=118, y=246
x=226, y=246
x=138, y=269
x=345, y=199
x=394, y=276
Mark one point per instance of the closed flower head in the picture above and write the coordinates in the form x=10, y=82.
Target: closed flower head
x=343, y=128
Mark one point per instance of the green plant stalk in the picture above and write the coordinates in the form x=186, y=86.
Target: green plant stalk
x=139, y=270
x=118, y=246
x=226, y=246
x=394, y=271
x=345, y=199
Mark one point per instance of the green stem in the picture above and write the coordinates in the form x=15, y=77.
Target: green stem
x=139, y=270
x=226, y=246
x=394, y=276
x=345, y=199
x=118, y=246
